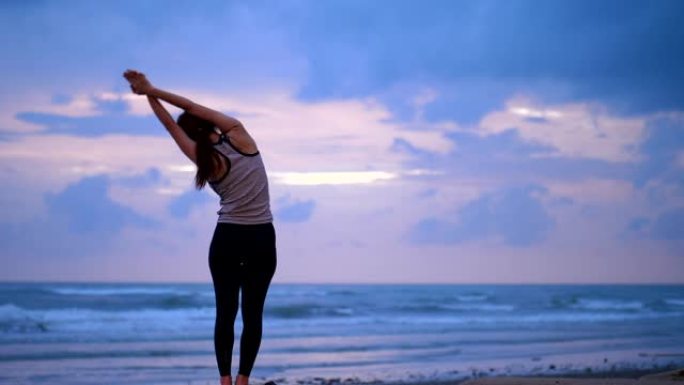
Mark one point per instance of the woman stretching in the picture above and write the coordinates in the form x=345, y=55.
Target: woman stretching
x=242, y=254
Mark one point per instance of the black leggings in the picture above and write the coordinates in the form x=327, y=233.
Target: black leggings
x=241, y=258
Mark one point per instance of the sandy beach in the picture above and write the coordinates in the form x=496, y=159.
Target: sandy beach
x=667, y=377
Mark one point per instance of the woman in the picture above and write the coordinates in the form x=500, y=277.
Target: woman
x=242, y=254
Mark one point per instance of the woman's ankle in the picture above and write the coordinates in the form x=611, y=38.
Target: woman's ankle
x=242, y=380
x=226, y=380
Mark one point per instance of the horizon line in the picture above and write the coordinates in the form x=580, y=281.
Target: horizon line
x=378, y=283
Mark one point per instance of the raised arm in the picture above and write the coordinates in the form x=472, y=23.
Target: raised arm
x=142, y=86
x=186, y=144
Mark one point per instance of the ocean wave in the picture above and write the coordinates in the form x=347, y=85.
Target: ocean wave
x=306, y=311
x=607, y=304
x=528, y=319
x=480, y=306
x=421, y=308
x=472, y=297
x=177, y=312
x=14, y=319
x=18, y=324
x=77, y=352
x=342, y=292
x=438, y=308
x=113, y=291
x=675, y=301
x=114, y=299
x=298, y=292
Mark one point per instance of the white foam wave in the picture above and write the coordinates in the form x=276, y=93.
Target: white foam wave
x=604, y=304
x=344, y=311
x=472, y=297
x=110, y=324
x=480, y=306
x=10, y=311
x=675, y=301
x=116, y=291
x=513, y=319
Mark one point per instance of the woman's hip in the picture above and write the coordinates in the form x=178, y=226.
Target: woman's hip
x=254, y=242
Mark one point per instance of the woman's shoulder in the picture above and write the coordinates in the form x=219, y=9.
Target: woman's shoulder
x=242, y=142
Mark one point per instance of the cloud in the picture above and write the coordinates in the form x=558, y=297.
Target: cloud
x=341, y=136
x=530, y=139
x=590, y=191
x=669, y=225
x=80, y=220
x=513, y=215
x=94, y=126
x=87, y=209
x=563, y=50
x=294, y=210
x=638, y=225
x=661, y=149
x=474, y=55
x=110, y=38
x=573, y=130
x=181, y=206
x=151, y=177
x=507, y=156
x=473, y=154
x=666, y=226
x=57, y=160
x=331, y=178
x=417, y=156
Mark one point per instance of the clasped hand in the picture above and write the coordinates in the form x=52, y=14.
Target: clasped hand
x=139, y=83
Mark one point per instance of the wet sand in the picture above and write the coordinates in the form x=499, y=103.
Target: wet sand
x=668, y=377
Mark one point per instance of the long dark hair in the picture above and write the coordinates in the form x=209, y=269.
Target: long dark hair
x=208, y=160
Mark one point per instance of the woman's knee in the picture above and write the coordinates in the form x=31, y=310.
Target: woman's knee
x=252, y=330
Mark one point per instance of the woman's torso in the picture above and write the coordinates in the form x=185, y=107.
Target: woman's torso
x=242, y=183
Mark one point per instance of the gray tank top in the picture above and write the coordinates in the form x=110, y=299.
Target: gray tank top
x=244, y=187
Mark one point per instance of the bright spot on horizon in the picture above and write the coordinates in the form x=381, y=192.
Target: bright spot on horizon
x=523, y=111
x=332, y=177
x=183, y=168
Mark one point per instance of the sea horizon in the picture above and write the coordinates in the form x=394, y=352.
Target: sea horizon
x=425, y=283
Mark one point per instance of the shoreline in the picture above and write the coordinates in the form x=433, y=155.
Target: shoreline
x=626, y=373
x=636, y=377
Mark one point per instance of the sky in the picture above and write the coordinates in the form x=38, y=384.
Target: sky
x=405, y=141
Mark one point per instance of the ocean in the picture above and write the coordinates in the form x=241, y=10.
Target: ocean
x=154, y=333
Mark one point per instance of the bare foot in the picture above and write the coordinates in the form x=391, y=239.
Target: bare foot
x=242, y=380
x=226, y=380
